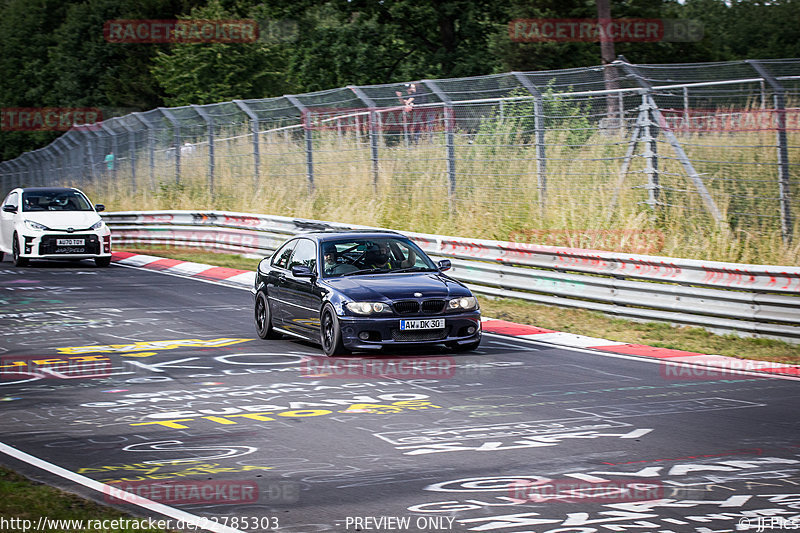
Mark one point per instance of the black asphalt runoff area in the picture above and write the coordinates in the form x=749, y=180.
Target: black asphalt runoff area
x=158, y=386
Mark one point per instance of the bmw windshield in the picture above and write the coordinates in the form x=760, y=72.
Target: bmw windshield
x=373, y=256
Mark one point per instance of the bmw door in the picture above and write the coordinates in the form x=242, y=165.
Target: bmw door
x=300, y=293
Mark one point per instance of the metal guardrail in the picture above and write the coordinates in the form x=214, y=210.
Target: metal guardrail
x=759, y=300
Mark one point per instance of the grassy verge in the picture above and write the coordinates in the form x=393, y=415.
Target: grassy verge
x=22, y=500
x=494, y=190
x=577, y=321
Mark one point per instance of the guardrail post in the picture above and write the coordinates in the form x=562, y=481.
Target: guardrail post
x=177, y=141
x=256, y=150
x=307, y=129
x=374, y=131
x=779, y=97
x=538, y=126
x=210, y=128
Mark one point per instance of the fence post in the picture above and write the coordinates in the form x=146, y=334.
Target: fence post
x=779, y=98
x=210, y=129
x=686, y=163
x=50, y=167
x=114, y=152
x=71, y=153
x=538, y=126
x=306, y=117
x=132, y=152
x=151, y=146
x=66, y=159
x=686, y=106
x=373, y=131
x=4, y=178
x=89, y=156
x=57, y=167
x=18, y=170
x=449, y=129
x=177, y=141
x=650, y=153
x=256, y=151
x=12, y=169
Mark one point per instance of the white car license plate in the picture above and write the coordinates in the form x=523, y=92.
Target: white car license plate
x=433, y=323
x=69, y=242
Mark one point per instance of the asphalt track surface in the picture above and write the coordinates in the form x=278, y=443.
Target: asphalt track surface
x=121, y=379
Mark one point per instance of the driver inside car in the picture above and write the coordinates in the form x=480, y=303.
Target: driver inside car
x=329, y=258
x=380, y=257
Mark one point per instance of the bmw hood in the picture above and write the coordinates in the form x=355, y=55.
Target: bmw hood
x=379, y=287
x=61, y=220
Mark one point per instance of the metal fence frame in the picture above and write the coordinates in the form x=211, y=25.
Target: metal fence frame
x=77, y=155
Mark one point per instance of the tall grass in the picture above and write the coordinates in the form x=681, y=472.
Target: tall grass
x=496, y=193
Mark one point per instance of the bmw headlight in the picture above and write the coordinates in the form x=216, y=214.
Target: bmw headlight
x=30, y=224
x=97, y=225
x=465, y=303
x=368, y=308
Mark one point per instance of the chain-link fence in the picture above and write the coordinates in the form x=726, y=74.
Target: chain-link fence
x=686, y=144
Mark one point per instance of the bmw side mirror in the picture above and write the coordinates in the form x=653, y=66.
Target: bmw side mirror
x=263, y=266
x=99, y=207
x=302, y=271
x=8, y=208
x=445, y=264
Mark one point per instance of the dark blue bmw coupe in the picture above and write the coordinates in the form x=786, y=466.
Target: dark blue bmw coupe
x=362, y=291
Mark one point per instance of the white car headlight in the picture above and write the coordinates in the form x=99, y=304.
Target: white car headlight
x=465, y=303
x=30, y=224
x=97, y=225
x=368, y=308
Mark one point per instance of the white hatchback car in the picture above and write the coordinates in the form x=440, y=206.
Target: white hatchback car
x=53, y=223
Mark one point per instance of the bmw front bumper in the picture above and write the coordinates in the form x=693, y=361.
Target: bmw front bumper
x=371, y=333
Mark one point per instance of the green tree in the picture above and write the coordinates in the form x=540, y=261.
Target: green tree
x=202, y=73
x=26, y=32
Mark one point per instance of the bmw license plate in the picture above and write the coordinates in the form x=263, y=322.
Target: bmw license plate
x=70, y=242
x=433, y=323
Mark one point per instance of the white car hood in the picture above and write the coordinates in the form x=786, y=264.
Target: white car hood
x=61, y=220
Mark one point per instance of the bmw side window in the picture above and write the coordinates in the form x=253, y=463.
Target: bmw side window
x=281, y=257
x=305, y=254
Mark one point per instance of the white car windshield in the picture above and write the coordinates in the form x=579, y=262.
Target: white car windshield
x=55, y=200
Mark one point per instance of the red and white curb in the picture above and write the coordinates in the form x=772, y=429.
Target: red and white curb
x=232, y=276
x=244, y=279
